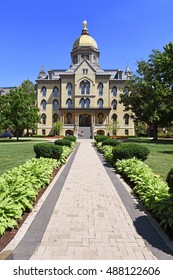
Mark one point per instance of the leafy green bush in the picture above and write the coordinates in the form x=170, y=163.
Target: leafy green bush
x=47, y=150
x=19, y=187
x=70, y=137
x=100, y=138
x=130, y=150
x=169, y=180
x=151, y=189
x=111, y=142
x=63, y=142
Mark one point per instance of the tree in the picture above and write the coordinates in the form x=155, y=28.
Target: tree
x=19, y=111
x=151, y=92
x=57, y=126
x=113, y=126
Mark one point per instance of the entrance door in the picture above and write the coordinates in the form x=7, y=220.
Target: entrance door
x=84, y=120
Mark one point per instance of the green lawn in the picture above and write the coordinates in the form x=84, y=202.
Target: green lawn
x=160, y=159
x=13, y=153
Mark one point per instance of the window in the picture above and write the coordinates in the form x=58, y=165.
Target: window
x=55, y=105
x=100, y=118
x=85, y=71
x=114, y=117
x=43, y=91
x=126, y=91
x=43, y=119
x=114, y=91
x=43, y=131
x=87, y=88
x=100, y=103
x=114, y=104
x=82, y=86
x=126, y=132
x=120, y=75
x=82, y=103
x=55, y=118
x=87, y=103
x=69, y=103
x=69, y=89
x=43, y=104
x=100, y=87
x=69, y=118
x=126, y=119
x=55, y=92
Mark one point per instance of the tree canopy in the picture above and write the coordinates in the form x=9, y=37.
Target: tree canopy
x=151, y=90
x=18, y=109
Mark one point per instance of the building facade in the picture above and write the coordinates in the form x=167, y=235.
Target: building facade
x=83, y=95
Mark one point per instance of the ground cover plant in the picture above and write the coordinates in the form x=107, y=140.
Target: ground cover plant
x=153, y=192
x=19, y=188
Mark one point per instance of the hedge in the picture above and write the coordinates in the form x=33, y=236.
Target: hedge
x=111, y=142
x=63, y=142
x=100, y=138
x=70, y=137
x=130, y=150
x=47, y=150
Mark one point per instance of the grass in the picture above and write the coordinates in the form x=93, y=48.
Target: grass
x=160, y=159
x=13, y=153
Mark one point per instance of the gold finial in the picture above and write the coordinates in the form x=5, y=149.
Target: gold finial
x=85, y=25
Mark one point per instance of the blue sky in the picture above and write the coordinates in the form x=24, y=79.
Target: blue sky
x=36, y=32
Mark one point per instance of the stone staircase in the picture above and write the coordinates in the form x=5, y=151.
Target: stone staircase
x=84, y=132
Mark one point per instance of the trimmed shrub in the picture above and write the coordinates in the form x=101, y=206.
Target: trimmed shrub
x=111, y=142
x=130, y=150
x=63, y=142
x=47, y=150
x=70, y=137
x=100, y=138
x=169, y=180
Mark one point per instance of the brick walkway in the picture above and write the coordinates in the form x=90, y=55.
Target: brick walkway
x=89, y=220
x=88, y=213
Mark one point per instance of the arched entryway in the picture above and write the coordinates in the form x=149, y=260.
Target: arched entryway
x=84, y=120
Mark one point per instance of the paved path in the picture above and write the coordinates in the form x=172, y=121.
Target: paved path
x=89, y=220
x=84, y=217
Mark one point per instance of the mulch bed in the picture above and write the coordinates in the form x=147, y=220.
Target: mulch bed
x=10, y=233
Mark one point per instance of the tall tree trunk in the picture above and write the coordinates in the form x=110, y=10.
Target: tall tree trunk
x=155, y=132
x=17, y=134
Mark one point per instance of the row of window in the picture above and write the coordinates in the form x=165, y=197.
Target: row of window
x=84, y=89
x=84, y=103
x=100, y=118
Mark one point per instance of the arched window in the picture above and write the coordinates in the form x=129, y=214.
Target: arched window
x=114, y=117
x=69, y=103
x=69, y=118
x=126, y=119
x=126, y=91
x=82, y=103
x=100, y=87
x=87, y=88
x=82, y=86
x=69, y=89
x=100, y=118
x=87, y=103
x=55, y=105
x=43, y=91
x=100, y=103
x=55, y=118
x=114, y=91
x=43, y=118
x=43, y=104
x=55, y=92
x=114, y=104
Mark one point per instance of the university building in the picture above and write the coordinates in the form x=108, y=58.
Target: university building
x=85, y=96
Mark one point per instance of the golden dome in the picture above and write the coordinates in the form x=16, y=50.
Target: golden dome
x=85, y=40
